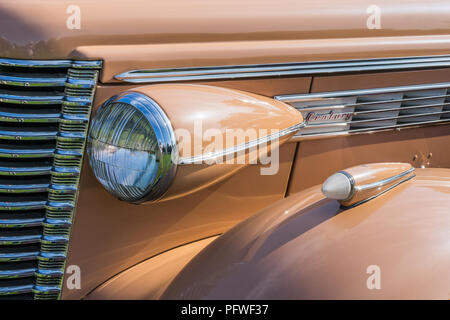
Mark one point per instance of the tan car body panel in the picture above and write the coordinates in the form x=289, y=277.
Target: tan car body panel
x=148, y=279
x=306, y=247
x=195, y=33
x=109, y=236
x=147, y=230
x=422, y=147
x=198, y=108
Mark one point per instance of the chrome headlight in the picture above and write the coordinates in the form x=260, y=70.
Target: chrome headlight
x=132, y=148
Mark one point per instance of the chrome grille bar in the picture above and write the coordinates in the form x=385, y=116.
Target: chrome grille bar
x=31, y=81
x=44, y=113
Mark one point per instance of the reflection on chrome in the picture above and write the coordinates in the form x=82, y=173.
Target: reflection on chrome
x=132, y=148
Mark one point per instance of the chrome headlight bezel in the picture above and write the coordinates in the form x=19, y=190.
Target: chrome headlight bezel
x=167, y=154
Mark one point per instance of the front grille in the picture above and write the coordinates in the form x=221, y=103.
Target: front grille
x=44, y=115
x=355, y=111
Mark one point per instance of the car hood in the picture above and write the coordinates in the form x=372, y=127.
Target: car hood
x=39, y=29
x=307, y=247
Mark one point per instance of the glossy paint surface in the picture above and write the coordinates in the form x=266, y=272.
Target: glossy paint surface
x=109, y=235
x=40, y=28
x=421, y=147
x=149, y=279
x=210, y=121
x=371, y=180
x=306, y=247
x=200, y=33
x=198, y=109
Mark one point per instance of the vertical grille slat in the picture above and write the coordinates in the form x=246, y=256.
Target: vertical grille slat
x=44, y=114
x=356, y=111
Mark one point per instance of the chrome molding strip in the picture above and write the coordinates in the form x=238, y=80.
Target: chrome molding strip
x=25, y=171
x=240, y=148
x=16, y=290
x=367, y=130
x=79, y=64
x=407, y=178
x=26, y=153
x=283, y=69
x=13, y=80
x=348, y=93
x=30, y=99
x=383, y=182
x=325, y=125
x=37, y=290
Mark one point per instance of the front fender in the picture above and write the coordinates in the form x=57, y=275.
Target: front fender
x=148, y=279
x=307, y=247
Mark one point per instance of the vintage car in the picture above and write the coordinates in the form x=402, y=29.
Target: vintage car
x=224, y=149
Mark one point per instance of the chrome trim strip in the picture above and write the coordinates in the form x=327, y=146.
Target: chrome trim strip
x=73, y=82
x=79, y=64
x=35, y=238
x=381, y=193
x=403, y=108
x=46, y=290
x=30, y=99
x=24, y=171
x=415, y=115
x=282, y=69
x=242, y=147
x=25, y=117
x=373, y=103
x=15, y=240
x=366, y=130
x=383, y=182
x=22, y=188
x=22, y=205
x=21, y=273
x=29, y=272
x=18, y=256
x=348, y=93
x=20, y=223
x=35, y=63
x=13, y=80
x=36, y=222
x=16, y=290
x=26, y=153
x=30, y=135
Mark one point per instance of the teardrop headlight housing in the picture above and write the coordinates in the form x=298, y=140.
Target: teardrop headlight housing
x=132, y=148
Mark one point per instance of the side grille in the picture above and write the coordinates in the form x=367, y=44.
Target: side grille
x=44, y=114
x=353, y=111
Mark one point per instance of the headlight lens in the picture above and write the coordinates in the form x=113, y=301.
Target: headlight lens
x=132, y=148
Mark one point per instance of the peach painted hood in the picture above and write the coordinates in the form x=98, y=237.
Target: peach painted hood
x=306, y=247
x=38, y=28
